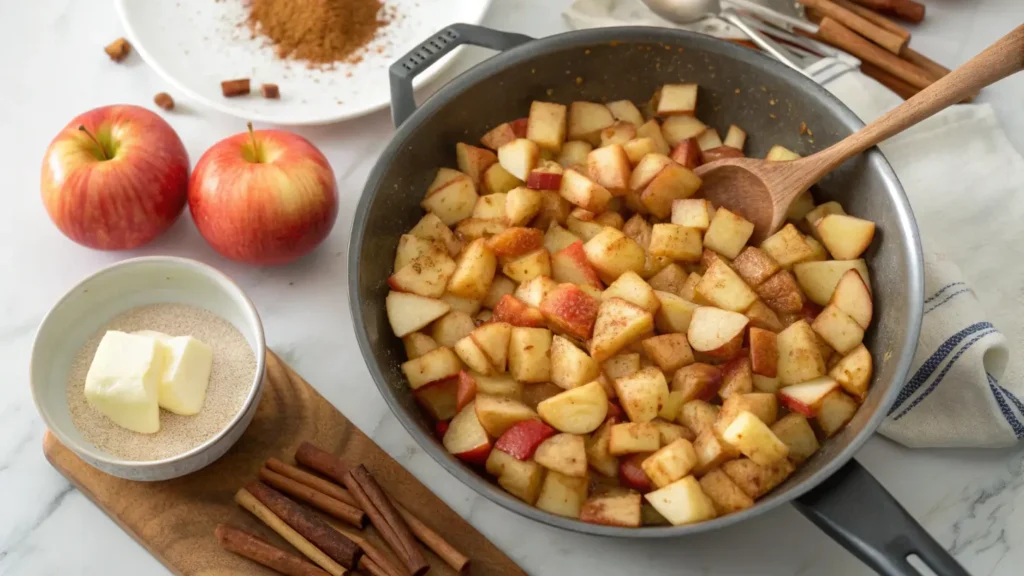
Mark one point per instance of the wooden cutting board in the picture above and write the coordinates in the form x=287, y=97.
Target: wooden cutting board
x=175, y=519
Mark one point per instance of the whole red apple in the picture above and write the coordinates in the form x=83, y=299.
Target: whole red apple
x=115, y=177
x=263, y=197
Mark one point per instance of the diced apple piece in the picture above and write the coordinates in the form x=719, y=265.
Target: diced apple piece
x=453, y=201
x=574, y=154
x=728, y=233
x=846, y=237
x=672, y=183
x=754, y=266
x=522, y=439
x=751, y=436
x=669, y=279
x=796, y=433
x=764, y=405
x=633, y=438
x=533, y=291
x=499, y=136
x=493, y=340
x=621, y=365
x=570, y=311
x=787, y=247
x=509, y=309
x=676, y=242
x=611, y=219
x=698, y=416
x=618, y=134
x=466, y=438
x=723, y=288
x=584, y=230
x=562, y=495
x=598, y=456
x=781, y=154
x=632, y=475
x=570, y=366
x=465, y=390
x=625, y=111
x=648, y=168
x=632, y=288
x=814, y=216
x=818, y=252
x=426, y=276
x=521, y=205
x=534, y=394
x=697, y=381
x=430, y=227
x=718, y=153
x=695, y=213
x=533, y=264
x=498, y=413
x=838, y=329
x=547, y=175
x=619, y=323
x=570, y=265
x=853, y=372
x=546, y=125
x=763, y=317
x=529, y=358
x=519, y=157
x=768, y=384
x=708, y=140
x=615, y=509
x=474, y=271
x=577, y=411
x=471, y=354
x=651, y=129
x=557, y=239
x=637, y=148
x=726, y=496
x=677, y=99
x=444, y=177
x=735, y=137
x=497, y=180
x=474, y=228
x=799, y=357
x=687, y=152
x=689, y=289
x=669, y=351
x=682, y=502
x=468, y=306
x=716, y=332
x=757, y=480
x=670, y=463
x=609, y=167
x=408, y=313
x=678, y=130
x=803, y=204
x=764, y=352
x=852, y=297
x=612, y=254
x=411, y=248
x=521, y=479
x=669, y=431
x=642, y=393
x=836, y=410
x=417, y=344
x=583, y=192
x=439, y=398
x=436, y=365
x=587, y=119
x=553, y=209
x=820, y=279
x=806, y=398
x=782, y=293
x=737, y=377
x=711, y=450
x=563, y=453
x=473, y=161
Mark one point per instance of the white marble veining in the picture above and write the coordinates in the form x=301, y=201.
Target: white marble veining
x=52, y=68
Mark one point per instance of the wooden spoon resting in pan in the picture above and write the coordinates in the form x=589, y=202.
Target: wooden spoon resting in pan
x=762, y=191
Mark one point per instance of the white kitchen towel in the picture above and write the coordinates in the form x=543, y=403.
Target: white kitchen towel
x=965, y=182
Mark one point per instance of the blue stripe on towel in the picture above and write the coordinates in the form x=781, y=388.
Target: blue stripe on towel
x=945, y=370
x=941, y=290
x=947, y=299
x=1016, y=401
x=1011, y=419
x=931, y=364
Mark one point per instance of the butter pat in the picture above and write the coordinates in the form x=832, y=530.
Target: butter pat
x=124, y=379
x=186, y=372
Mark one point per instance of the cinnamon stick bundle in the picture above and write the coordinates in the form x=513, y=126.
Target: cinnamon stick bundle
x=908, y=10
x=385, y=519
x=832, y=32
x=310, y=526
x=250, y=546
x=886, y=39
x=315, y=498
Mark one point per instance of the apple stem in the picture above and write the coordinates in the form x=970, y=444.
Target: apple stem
x=103, y=153
x=255, y=147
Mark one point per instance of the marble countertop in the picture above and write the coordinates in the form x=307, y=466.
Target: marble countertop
x=51, y=69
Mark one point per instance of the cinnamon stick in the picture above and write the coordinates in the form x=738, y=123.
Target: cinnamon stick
x=888, y=80
x=908, y=10
x=250, y=546
x=927, y=64
x=315, y=482
x=315, y=498
x=385, y=519
x=310, y=526
x=875, y=18
x=371, y=553
x=231, y=88
x=834, y=33
x=259, y=510
x=334, y=468
x=880, y=36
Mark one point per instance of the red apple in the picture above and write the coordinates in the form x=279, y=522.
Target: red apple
x=263, y=197
x=115, y=177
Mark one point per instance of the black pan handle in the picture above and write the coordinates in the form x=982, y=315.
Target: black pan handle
x=856, y=511
x=426, y=54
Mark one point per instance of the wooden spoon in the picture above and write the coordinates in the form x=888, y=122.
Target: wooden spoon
x=762, y=191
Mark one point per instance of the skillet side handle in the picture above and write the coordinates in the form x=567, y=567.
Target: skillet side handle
x=857, y=512
x=433, y=49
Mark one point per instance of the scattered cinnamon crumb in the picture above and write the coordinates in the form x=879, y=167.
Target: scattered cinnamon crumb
x=772, y=116
x=737, y=91
x=579, y=80
x=118, y=49
x=164, y=101
x=270, y=91
x=239, y=87
x=803, y=128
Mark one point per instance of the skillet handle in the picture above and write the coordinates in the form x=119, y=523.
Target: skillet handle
x=857, y=512
x=433, y=49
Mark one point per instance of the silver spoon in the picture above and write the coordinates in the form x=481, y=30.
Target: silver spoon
x=690, y=11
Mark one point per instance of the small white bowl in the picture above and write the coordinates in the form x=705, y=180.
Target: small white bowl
x=95, y=301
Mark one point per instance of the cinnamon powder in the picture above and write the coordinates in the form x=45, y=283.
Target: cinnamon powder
x=317, y=31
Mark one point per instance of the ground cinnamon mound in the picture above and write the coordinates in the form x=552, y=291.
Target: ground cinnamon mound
x=318, y=31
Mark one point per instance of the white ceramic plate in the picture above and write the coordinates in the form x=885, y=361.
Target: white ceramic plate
x=195, y=44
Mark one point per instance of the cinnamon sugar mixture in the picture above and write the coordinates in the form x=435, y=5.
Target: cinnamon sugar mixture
x=322, y=32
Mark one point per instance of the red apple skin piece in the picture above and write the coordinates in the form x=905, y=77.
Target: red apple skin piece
x=719, y=153
x=687, y=153
x=476, y=456
x=510, y=309
x=440, y=429
x=516, y=241
x=96, y=202
x=263, y=212
x=519, y=127
x=798, y=407
x=615, y=412
x=465, y=392
x=632, y=475
x=522, y=439
x=574, y=253
x=810, y=311
x=540, y=180
x=570, y=310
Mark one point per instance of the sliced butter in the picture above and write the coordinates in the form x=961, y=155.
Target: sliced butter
x=186, y=372
x=124, y=379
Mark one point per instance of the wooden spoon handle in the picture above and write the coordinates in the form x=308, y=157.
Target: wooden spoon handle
x=998, y=61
